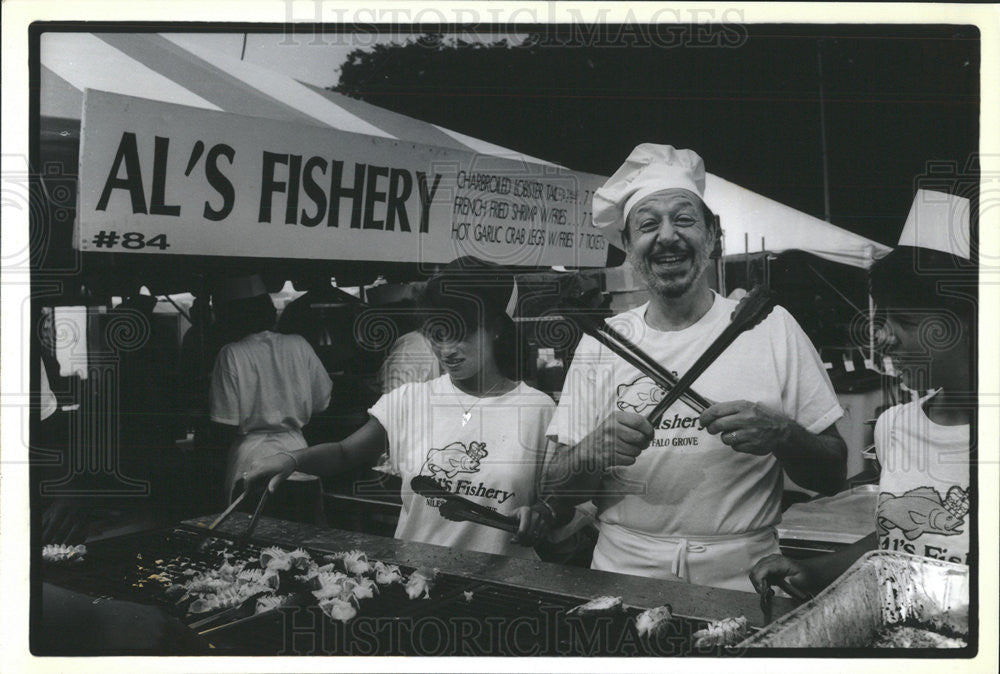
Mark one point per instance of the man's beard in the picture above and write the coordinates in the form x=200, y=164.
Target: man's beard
x=673, y=286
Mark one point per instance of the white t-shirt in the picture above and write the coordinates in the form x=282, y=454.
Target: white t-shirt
x=923, y=502
x=687, y=483
x=493, y=460
x=268, y=385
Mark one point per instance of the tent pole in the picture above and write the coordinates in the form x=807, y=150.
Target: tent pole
x=871, y=328
x=822, y=131
x=746, y=258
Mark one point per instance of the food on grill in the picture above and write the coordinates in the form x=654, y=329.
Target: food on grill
x=231, y=596
x=271, y=602
x=330, y=584
x=208, y=584
x=300, y=560
x=599, y=606
x=387, y=574
x=338, y=609
x=260, y=577
x=275, y=559
x=354, y=562
x=725, y=632
x=904, y=636
x=63, y=553
x=420, y=583
x=364, y=588
x=653, y=621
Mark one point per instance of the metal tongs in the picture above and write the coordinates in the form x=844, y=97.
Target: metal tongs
x=227, y=513
x=459, y=509
x=633, y=355
x=751, y=310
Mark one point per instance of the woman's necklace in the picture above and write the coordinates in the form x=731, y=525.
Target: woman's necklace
x=467, y=413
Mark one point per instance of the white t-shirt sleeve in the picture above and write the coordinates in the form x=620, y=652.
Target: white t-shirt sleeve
x=224, y=391
x=807, y=395
x=320, y=384
x=881, y=433
x=587, y=394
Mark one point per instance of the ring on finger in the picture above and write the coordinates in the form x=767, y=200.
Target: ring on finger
x=729, y=437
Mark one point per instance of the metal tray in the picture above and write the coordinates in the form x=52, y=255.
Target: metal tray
x=880, y=589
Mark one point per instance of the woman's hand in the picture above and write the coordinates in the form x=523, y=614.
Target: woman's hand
x=534, y=524
x=269, y=472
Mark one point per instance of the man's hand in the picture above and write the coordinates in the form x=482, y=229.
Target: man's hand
x=748, y=427
x=791, y=576
x=620, y=438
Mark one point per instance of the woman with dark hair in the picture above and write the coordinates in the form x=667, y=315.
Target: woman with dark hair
x=265, y=387
x=477, y=430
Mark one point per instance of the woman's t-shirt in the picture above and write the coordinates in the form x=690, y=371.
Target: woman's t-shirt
x=494, y=459
x=923, y=502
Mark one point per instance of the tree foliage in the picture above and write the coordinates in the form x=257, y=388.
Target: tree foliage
x=750, y=107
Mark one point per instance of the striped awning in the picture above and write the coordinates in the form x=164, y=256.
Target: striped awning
x=161, y=68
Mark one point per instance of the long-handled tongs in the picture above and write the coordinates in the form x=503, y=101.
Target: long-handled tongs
x=227, y=512
x=457, y=508
x=751, y=310
x=272, y=485
x=631, y=353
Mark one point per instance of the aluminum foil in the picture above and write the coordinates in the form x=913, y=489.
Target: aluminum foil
x=880, y=589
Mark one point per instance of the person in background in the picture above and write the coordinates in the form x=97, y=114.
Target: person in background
x=477, y=430
x=923, y=446
x=325, y=317
x=697, y=498
x=411, y=358
x=265, y=387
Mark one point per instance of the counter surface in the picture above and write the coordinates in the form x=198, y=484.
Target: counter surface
x=687, y=600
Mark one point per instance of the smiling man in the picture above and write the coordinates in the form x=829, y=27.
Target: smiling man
x=697, y=498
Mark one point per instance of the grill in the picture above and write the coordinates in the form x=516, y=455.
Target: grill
x=462, y=617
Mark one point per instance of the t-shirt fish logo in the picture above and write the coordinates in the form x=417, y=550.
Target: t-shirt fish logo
x=921, y=511
x=640, y=395
x=454, y=459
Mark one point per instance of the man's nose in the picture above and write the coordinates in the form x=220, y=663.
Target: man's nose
x=666, y=232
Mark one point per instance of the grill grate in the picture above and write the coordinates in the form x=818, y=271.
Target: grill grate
x=462, y=617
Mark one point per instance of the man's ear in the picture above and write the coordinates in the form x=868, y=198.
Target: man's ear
x=717, y=247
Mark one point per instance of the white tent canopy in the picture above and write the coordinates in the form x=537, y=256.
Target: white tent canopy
x=162, y=67
x=748, y=217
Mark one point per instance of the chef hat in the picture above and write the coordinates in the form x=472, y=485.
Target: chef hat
x=938, y=221
x=239, y=288
x=650, y=168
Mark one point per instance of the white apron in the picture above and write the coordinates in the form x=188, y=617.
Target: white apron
x=718, y=561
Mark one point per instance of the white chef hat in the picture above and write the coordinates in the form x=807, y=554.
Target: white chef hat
x=938, y=221
x=239, y=288
x=650, y=168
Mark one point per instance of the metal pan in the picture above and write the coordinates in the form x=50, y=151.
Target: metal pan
x=880, y=589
